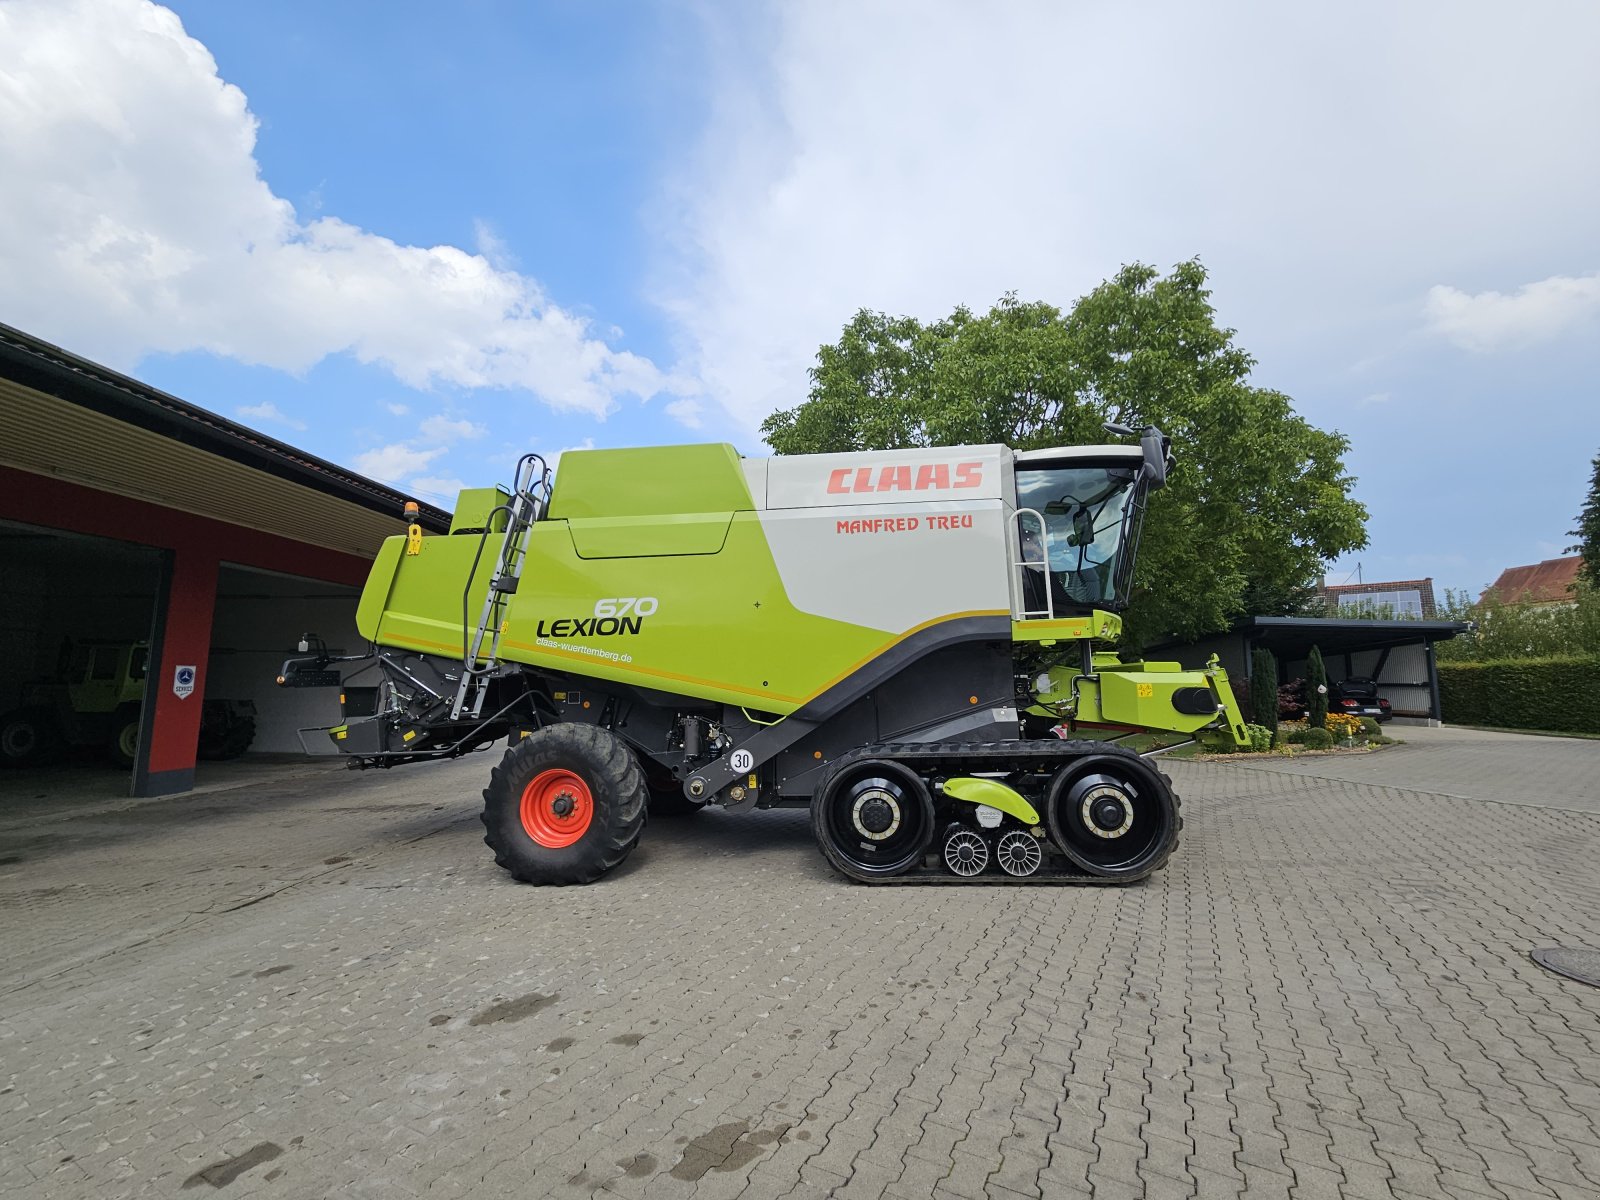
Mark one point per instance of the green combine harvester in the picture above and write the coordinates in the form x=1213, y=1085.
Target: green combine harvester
x=901, y=641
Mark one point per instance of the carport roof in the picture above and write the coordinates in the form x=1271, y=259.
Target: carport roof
x=73, y=419
x=1293, y=637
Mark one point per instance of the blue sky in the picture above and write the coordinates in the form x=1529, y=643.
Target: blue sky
x=419, y=239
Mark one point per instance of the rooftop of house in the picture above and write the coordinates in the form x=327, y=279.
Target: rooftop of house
x=1547, y=582
x=1351, y=593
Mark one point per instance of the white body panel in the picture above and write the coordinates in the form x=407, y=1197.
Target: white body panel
x=944, y=473
x=893, y=566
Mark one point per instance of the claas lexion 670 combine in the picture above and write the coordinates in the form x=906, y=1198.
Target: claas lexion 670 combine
x=895, y=639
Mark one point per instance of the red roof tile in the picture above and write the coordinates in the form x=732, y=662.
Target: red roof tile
x=1549, y=582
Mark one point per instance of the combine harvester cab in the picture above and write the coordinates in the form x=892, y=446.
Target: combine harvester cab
x=893, y=639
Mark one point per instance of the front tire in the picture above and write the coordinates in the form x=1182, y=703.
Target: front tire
x=27, y=737
x=124, y=744
x=565, y=805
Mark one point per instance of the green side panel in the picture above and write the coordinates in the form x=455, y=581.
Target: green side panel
x=647, y=537
x=995, y=795
x=722, y=629
x=473, y=507
x=1099, y=624
x=649, y=481
x=375, y=593
x=1140, y=695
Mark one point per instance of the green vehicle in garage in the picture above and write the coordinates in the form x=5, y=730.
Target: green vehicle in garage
x=96, y=701
x=891, y=639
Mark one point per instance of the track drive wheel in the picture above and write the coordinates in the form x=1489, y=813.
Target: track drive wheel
x=1113, y=816
x=565, y=805
x=873, y=820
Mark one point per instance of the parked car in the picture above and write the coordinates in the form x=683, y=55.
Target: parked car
x=1358, y=697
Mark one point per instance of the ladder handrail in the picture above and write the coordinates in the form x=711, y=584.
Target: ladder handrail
x=528, y=501
x=1020, y=563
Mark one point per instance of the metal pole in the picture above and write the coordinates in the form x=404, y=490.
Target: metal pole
x=1433, y=684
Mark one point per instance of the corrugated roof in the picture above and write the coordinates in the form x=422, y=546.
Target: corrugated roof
x=67, y=392
x=1547, y=582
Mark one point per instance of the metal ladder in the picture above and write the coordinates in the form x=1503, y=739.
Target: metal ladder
x=530, y=496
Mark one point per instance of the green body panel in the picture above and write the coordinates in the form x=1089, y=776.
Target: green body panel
x=727, y=634
x=375, y=593
x=656, y=480
x=652, y=568
x=996, y=795
x=1099, y=624
x=473, y=506
x=651, y=536
x=1140, y=695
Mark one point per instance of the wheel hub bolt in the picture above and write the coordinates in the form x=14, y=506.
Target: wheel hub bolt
x=876, y=816
x=563, y=806
x=1108, y=814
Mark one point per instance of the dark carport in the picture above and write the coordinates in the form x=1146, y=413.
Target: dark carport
x=1397, y=654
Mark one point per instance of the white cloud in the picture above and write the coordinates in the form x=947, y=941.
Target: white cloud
x=398, y=410
x=442, y=429
x=390, y=464
x=137, y=221
x=440, y=491
x=268, y=411
x=911, y=155
x=434, y=437
x=1535, y=312
x=687, y=411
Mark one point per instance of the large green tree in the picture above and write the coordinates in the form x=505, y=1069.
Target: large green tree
x=1258, y=502
x=1588, y=532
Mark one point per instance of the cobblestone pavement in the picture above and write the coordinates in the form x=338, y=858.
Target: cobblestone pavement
x=321, y=986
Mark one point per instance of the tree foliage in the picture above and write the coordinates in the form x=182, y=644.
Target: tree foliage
x=1259, y=498
x=1588, y=532
x=1519, y=630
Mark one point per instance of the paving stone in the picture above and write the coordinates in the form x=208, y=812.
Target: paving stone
x=1326, y=993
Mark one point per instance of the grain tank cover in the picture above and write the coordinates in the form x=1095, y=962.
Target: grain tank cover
x=649, y=481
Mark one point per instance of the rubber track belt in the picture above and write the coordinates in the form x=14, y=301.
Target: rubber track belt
x=1041, y=756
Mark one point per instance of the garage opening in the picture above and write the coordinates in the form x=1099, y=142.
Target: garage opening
x=75, y=628
x=260, y=618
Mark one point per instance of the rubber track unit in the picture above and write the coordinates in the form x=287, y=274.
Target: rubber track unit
x=1037, y=757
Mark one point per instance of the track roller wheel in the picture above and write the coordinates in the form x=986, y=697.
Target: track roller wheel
x=1113, y=816
x=565, y=805
x=1019, y=853
x=873, y=820
x=965, y=852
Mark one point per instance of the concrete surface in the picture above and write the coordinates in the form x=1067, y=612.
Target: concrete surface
x=320, y=986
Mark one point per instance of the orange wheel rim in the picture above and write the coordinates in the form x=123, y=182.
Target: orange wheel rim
x=556, y=808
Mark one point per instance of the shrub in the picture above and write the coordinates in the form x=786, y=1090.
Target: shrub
x=1316, y=688
x=1524, y=693
x=1260, y=738
x=1370, y=726
x=1341, y=725
x=1264, y=689
x=1312, y=739
x=1291, y=699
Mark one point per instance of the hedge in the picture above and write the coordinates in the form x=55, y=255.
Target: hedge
x=1525, y=693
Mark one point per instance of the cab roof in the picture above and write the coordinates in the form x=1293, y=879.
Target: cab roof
x=1065, y=454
